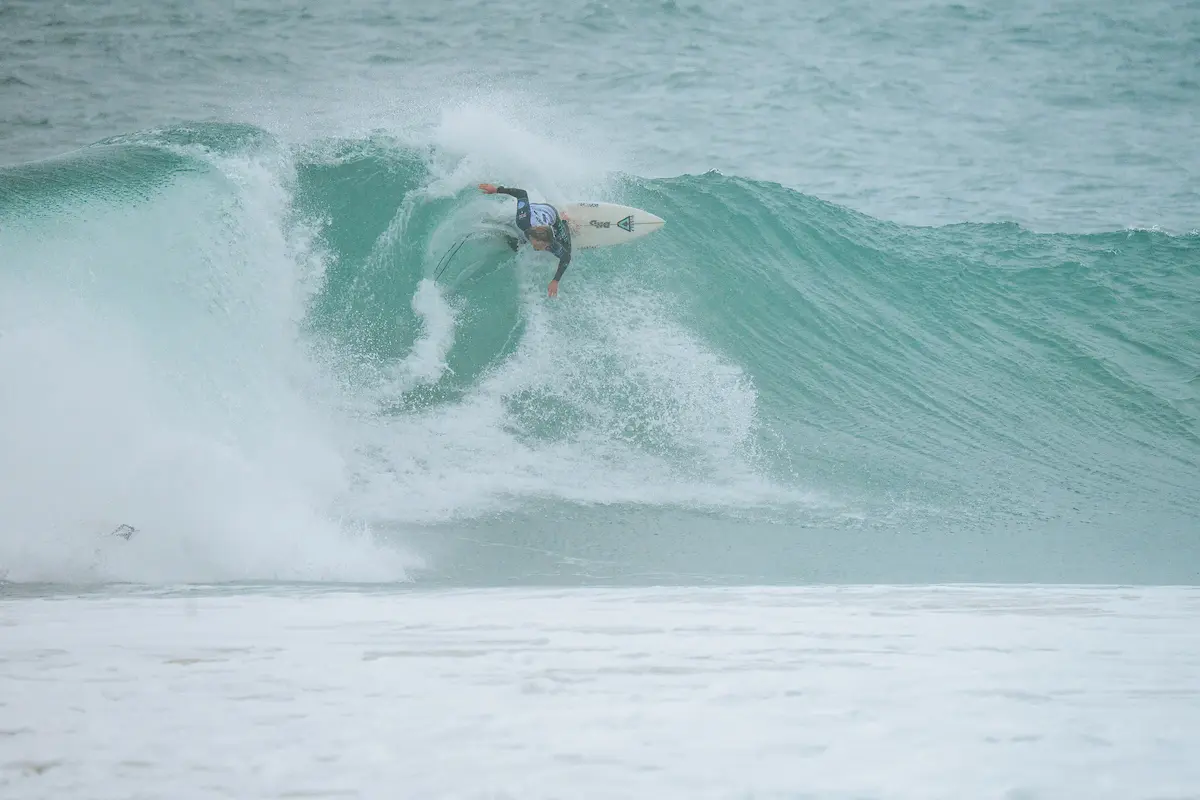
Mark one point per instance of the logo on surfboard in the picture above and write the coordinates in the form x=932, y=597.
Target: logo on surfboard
x=626, y=224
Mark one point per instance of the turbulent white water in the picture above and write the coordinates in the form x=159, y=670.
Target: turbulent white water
x=922, y=693
x=155, y=375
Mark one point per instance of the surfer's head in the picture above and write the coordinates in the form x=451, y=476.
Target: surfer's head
x=540, y=237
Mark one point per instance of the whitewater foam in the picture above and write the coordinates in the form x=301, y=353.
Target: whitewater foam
x=155, y=375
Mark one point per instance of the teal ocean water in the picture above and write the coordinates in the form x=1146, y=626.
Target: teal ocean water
x=926, y=308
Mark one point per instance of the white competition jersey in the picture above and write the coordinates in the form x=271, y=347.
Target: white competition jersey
x=541, y=214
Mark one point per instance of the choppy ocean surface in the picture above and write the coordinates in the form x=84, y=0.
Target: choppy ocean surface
x=926, y=310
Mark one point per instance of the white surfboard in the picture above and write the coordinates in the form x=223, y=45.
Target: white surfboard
x=607, y=224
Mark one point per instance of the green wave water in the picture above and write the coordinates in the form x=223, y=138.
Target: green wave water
x=238, y=346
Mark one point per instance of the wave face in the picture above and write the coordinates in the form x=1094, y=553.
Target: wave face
x=239, y=347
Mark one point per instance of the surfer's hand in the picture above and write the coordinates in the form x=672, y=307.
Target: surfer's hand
x=487, y=188
x=553, y=290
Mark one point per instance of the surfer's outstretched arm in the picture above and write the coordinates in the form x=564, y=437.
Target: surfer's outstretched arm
x=522, y=201
x=564, y=258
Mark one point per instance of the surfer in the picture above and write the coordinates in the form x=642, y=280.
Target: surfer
x=542, y=225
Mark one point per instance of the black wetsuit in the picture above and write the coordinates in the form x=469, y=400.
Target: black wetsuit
x=536, y=214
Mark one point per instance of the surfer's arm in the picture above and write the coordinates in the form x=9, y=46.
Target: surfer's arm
x=522, y=204
x=564, y=258
x=520, y=194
